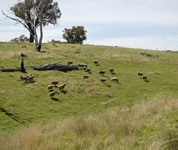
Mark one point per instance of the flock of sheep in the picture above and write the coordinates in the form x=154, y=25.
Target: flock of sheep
x=54, y=87
x=27, y=79
x=100, y=72
x=142, y=76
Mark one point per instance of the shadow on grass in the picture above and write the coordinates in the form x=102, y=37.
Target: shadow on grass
x=55, y=99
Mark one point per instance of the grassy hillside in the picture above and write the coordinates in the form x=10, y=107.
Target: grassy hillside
x=92, y=114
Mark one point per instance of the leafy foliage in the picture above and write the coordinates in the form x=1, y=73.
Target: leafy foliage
x=35, y=14
x=47, y=12
x=75, y=34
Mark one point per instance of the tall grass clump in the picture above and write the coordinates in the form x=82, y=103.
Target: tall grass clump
x=144, y=126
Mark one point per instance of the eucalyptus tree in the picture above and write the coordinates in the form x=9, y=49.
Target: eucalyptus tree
x=76, y=34
x=34, y=15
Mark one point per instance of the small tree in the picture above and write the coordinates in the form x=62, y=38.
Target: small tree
x=33, y=14
x=75, y=35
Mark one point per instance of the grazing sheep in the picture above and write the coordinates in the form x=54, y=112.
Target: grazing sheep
x=111, y=70
x=84, y=68
x=101, y=72
x=85, y=76
x=30, y=78
x=144, y=77
x=96, y=62
x=23, y=77
x=52, y=93
x=61, y=87
x=103, y=79
x=50, y=87
x=82, y=65
x=113, y=73
x=69, y=63
x=115, y=79
x=88, y=70
x=140, y=73
x=54, y=82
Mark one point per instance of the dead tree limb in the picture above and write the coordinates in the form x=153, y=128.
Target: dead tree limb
x=56, y=66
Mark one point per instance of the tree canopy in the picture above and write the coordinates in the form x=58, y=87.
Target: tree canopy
x=33, y=14
x=75, y=34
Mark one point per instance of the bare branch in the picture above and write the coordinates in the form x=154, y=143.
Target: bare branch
x=15, y=19
x=20, y=21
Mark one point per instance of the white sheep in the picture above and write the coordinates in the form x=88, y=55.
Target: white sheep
x=24, y=77
x=62, y=86
x=69, y=63
x=115, y=79
x=144, y=77
x=140, y=73
x=101, y=72
x=30, y=78
x=52, y=93
x=82, y=65
x=96, y=62
x=111, y=70
x=103, y=79
x=85, y=76
x=50, y=87
x=54, y=82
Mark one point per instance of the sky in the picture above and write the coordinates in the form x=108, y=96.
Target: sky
x=148, y=24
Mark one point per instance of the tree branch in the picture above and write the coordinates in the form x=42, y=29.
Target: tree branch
x=20, y=21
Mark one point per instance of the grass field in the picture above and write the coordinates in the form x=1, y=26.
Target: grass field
x=132, y=114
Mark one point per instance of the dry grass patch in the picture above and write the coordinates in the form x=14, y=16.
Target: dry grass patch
x=138, y=127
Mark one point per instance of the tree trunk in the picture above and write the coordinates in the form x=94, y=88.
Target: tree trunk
x=31, y=40
x=38, y=47
x=38, y=42
x=32, y=33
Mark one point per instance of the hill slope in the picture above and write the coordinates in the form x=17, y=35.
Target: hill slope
x=25, y=104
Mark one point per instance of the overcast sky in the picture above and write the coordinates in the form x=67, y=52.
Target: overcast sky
x=151, y=24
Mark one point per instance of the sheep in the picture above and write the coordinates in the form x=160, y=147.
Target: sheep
x=82, y=65
x=113, y=73
x=69, y=63
x=84, y=68
x=101, y=72
x=30, y=78
x=62, y=86
x=50, y=87
x=52, y=93
x=88, y=70
x=96, y=62
x=54, y=82
x=103, y=79
x=140, y=74
x=24, y=77
x=115, y=79
x=85, y=77
x=111, y=70
x=144, y=77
